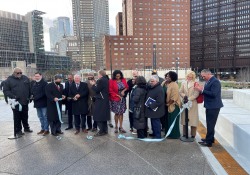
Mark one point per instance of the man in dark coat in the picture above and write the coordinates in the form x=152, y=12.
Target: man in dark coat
x=155, y=110
x=131, y=84
x=17, y=87
x=101, y=112
x=69, y=102
x=79, y=94
x=54, y=93
x=91, y=104
x=40, y=102
x=212, y=103
x=5, y=96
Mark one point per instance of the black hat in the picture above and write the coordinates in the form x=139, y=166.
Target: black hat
x=58, y=76
x=154, y=72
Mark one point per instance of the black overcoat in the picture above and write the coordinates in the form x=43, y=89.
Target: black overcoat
x=156, y=93
x=80, y=106
x=101, y=110
x=52, y=92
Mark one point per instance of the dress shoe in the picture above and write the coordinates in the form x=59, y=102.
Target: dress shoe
x=77, y=132
x=40, y=132
x=59, y=132
x=111, y=125
x=151, y=135
x=100, y=134
x=68, y=128
x=204, y=140
x=84, y=131
x=89, y=129
x=205, y=144
x=28, y=130
x=45, y=133
x=20, y=133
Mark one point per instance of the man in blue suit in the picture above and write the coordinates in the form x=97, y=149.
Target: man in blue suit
x=212, y=103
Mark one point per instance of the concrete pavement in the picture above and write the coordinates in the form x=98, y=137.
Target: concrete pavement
x=38, y=155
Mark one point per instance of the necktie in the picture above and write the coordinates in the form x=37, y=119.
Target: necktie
x=58, y=87
x=77, y=86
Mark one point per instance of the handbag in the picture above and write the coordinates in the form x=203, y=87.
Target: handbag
x=200, y=98
x=137, y=112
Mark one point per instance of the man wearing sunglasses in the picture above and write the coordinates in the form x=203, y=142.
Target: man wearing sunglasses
x=17, y=87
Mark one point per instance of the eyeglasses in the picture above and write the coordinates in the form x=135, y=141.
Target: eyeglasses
x=18, y=73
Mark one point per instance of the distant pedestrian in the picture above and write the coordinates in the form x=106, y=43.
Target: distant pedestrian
x=54, y=93
x=40, y=102
x=174, y=104
x=5, y=96
x=117, y=88
x=212, y=103
x=17, y=86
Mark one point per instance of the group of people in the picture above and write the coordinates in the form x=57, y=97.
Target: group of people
x=93, y=101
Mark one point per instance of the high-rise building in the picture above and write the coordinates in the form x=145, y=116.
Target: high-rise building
x=13, y=32
x=35, y=28
x=90, y=23
x=119, y=24
x=60, y=29
x=153, y=30
x=220, y=35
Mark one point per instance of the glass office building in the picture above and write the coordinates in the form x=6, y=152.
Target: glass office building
x=220, y=35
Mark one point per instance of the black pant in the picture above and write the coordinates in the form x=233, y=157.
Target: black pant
x=211, y=118
x=55, y=126
x=70, y=115
x=163, y=123
x=131, y=120
x=6, y=98
x=80, y=120
x=103, y=126
x=21, y=117
x=142, y=133
x=89, y=122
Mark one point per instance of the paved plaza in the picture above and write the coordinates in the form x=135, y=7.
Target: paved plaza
x=38, y=155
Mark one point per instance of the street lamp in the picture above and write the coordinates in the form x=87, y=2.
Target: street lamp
x=154, y=56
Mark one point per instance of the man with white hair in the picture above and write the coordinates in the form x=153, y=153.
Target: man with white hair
x=79, y=93
x=17, y=86
x=131, y=84
x=155, y=105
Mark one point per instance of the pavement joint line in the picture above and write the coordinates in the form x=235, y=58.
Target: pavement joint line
x=136, y=155
x=7, y=173
x=82, y=157
x=21, y=148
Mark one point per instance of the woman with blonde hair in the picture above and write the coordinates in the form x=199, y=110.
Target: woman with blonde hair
x=187, y=91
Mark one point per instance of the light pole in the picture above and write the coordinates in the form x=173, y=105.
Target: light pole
x=154, y=56
x=177, y=64
x=185, y=68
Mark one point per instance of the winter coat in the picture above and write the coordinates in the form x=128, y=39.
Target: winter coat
x=38, y=92
x=101, y=110
x=113, y=89
x=52, y=92
x=18, y=88
x=173, y=94
x=156, y=93
x=138, y=97
x=80, y=106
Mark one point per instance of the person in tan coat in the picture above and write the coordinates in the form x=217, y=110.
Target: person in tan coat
x=187, y=89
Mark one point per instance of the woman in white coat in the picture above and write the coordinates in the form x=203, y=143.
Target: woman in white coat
x=187, y=89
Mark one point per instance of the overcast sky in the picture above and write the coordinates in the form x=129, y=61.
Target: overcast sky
x=53, y=9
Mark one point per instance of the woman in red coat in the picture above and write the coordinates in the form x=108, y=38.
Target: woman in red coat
x=117, y=88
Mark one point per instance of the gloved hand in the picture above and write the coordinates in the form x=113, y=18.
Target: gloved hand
x=185, y=99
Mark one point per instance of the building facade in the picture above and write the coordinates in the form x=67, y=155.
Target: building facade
x=220, y=35
x=90, y=24
x=119, y=24
x=151, y=28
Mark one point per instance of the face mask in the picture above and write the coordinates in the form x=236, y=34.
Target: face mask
x=57, y=83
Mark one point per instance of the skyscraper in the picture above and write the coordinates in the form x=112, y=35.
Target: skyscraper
x=60, y=29
x=220, y=35
x=152, y=30
x=90, y=23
